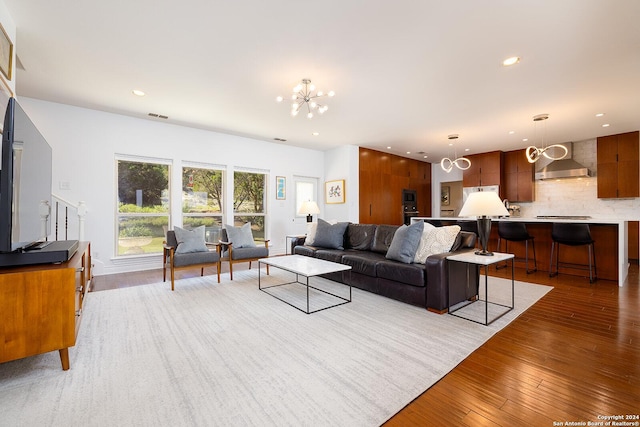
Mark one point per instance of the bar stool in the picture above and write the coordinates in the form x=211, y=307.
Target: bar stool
x=572, y=235
x=517, y=232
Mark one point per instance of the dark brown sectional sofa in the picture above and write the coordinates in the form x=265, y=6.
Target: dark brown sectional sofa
x=423, y=285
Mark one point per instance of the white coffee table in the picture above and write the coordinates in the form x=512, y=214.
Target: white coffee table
x=306, y=267
x=483, y=260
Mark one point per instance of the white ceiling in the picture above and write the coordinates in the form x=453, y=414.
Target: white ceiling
x=406, y=72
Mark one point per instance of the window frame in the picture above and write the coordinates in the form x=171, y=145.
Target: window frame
x=118, y=215
x=211, y=167
x=265, y=199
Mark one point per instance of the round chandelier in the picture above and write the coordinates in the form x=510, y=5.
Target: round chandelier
x=305, y=95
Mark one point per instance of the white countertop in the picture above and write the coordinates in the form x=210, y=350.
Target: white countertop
x=594, y=220
x=623, y=228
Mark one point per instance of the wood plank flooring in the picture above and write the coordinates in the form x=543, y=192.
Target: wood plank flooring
x=573, y=356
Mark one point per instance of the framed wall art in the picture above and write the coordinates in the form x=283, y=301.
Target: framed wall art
x=6, y=54
x=334, y=191
x=445, y=195
x=281, y=188
x=5, y=94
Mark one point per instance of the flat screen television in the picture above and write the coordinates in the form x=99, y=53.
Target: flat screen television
x=25, y=181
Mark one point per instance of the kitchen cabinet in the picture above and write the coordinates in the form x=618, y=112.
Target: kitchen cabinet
x=619, y=166
x=382, y=177
x=633, y=240
x=518, y=177
x=486, y=169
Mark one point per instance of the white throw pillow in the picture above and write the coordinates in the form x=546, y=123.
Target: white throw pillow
x=312, y=227
x=436, y=240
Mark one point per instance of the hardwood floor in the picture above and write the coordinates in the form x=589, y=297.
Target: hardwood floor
x=573, y=356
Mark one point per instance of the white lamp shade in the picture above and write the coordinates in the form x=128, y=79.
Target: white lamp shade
x=309, y=207
x=483, y=203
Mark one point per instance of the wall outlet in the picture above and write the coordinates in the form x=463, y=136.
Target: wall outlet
x=64, y=185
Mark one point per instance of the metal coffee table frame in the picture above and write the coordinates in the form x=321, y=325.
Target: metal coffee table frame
x=306, y=267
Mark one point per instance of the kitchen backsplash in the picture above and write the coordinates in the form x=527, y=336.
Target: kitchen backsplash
x=579, y=196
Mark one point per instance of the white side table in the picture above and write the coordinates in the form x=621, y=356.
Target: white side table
x=482, y=260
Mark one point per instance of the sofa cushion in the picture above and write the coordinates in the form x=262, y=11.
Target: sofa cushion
x=383, y=237
x=410, y=274
x=333, y=255
x=436, y=241
x=363, y=262
x=190, y=240
x=330, y=235
x=360, y=236
x=305, y=250
x=249, y=253
x=184, y=259
x=405, y=242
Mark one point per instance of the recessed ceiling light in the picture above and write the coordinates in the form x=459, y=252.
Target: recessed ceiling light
x=315, y=133
x=466, y=149
x=424, y=157
x=511, y=132
x=408, y=152
x=388, y=148
x=525, y=139
x=606, y=125
x=599, y=114
x=511, y=61
x=138, y=92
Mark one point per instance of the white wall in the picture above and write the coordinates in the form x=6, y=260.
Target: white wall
x=85, y=143
x=343, y=163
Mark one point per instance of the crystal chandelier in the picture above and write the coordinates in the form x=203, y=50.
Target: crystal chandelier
x=533, y=153
x=305, y=94
x=461, y=163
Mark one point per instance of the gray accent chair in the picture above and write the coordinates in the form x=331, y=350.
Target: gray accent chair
x=235, y=255
x=177, y=261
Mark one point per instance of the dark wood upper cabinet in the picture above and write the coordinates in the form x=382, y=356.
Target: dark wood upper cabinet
x=518, y=177
x=486, y=169
x=619, y=165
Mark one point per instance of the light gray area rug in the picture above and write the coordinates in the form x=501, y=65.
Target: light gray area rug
x=230, y=355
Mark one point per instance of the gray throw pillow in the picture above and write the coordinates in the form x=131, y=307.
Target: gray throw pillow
x=190, y=240
x=405, y=243
x=330, y=236
x=241, y=237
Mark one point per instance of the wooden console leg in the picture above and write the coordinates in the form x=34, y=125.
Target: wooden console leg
x=64, y=358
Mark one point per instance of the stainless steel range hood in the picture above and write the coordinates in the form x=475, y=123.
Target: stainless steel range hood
x=564, y=168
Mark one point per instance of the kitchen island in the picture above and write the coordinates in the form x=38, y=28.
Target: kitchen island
x=610, y=235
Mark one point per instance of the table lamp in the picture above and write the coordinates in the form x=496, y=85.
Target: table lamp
x=484, y=204
x=309, y=208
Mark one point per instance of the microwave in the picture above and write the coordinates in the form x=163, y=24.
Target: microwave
x=409, y=197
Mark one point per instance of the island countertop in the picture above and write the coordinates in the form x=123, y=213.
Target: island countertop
x=621, y=256
x=543, y=219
